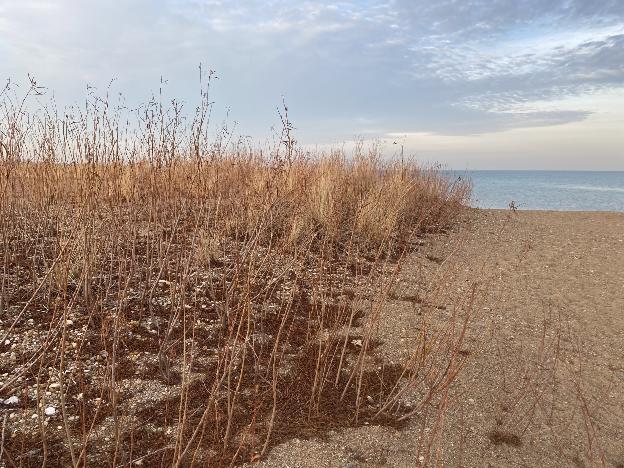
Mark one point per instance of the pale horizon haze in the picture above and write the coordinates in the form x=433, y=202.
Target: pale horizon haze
x=474, y=84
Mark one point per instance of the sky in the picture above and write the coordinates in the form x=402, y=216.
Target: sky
x=471, y=84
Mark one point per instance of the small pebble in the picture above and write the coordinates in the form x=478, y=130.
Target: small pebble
x=50, y=411
x=12, y=400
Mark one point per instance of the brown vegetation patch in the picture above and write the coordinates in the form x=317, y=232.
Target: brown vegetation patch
x=502, y=437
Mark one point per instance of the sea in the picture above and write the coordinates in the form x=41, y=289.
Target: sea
x=547, y=190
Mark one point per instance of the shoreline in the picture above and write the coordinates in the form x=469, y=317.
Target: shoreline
x=544, y=372
x=521, y=210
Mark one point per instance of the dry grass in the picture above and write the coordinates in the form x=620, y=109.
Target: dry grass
x=180, y=300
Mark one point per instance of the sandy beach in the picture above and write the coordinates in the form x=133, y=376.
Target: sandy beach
x=312, y=234
x=543, y=382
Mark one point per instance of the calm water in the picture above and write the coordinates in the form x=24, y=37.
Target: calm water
x=548, y=190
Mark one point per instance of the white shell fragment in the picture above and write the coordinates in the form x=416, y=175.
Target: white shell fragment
x=12, y=400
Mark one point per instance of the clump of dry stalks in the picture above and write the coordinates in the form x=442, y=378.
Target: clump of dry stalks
x=183, y=300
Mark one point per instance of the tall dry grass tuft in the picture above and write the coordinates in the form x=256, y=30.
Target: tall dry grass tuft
x=171, y=299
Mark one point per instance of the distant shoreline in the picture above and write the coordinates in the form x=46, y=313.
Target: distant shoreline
x=545, y=211
x=538, y=170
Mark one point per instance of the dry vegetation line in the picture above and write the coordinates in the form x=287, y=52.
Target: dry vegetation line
x=542, y=383
x=171, y=300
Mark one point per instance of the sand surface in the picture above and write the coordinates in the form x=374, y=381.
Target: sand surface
x=544, y=379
